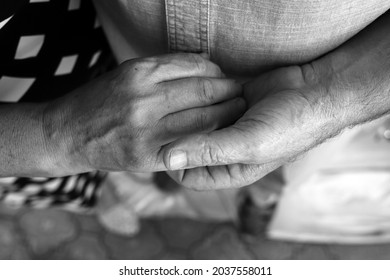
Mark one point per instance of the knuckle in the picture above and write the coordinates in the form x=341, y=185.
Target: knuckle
x=138, y=68
x=137, y=114
x=309, y=74
x=144, y=63
x=205, y=91
x=198, y=62
x=153, y=64
x=210, y=155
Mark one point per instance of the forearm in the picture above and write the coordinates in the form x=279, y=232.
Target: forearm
x=356, y=76
x=25, y=149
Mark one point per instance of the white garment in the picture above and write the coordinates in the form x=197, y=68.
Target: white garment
x=340, y=191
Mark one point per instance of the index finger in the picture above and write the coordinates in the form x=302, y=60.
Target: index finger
x=183, y=65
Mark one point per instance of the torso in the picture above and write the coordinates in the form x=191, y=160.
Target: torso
x=244, y=37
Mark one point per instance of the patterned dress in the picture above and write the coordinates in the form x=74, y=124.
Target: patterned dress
x=48, y=48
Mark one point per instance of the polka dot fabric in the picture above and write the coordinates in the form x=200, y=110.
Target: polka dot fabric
x=48, y=48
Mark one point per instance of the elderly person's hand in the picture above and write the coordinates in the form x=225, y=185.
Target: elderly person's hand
x=292, y=109
x=121, y=120
x=289, y=113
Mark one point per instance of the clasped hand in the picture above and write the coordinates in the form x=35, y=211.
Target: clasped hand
x=289, y=113
x=122, y=120
x=179, y=112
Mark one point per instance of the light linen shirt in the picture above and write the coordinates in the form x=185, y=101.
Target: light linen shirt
x=244, y=37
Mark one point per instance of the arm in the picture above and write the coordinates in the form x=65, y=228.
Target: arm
x=357, y=74
x=24, y=150
x=292, y=109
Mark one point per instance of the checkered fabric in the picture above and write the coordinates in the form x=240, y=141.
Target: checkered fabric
x=48, y=48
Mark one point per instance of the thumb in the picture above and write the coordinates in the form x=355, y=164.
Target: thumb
x=220, y=147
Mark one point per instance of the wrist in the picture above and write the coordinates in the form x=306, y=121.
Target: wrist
x=61, y=140
x=356, y=76
x=357, y=89
x=328, y=103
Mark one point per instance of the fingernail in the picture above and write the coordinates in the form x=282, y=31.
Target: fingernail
x=177, y=160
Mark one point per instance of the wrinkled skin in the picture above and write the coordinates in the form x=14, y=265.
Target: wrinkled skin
x=288, y=114
x=122, y=120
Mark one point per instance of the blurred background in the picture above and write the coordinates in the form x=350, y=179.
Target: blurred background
x=115, y=231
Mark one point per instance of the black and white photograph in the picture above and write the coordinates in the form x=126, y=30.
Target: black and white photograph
x=220, y=133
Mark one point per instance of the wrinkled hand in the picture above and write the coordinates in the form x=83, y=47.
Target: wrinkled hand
x=289, y=113
x=122, y=120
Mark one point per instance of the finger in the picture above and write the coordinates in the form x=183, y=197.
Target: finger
x=222, y=177
x=202, y=119
x=182, y=65
x=189, y=93
x=221, y=147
